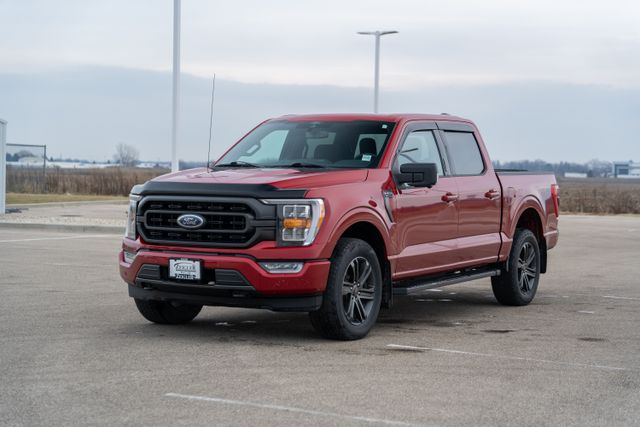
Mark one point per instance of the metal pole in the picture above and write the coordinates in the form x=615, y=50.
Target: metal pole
x=376, y=66
x=376, y=74
x=44, y=171
x=176, y=85
x=3, y=166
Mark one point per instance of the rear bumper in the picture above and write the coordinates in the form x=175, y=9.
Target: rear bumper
x=227, y=280
x=551, y=238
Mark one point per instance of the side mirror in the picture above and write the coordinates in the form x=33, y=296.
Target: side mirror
x=418, y=174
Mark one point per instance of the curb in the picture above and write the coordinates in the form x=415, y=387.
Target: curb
x=68, y=228
x=66, y=204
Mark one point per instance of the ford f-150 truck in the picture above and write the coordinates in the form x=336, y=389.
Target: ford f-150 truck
x=334, y=215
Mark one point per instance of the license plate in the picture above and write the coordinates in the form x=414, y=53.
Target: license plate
x=184, y=269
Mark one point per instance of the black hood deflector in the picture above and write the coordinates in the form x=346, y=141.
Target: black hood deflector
x=258, y=191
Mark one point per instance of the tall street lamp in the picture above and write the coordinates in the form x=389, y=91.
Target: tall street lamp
x=175, y=104
x=376, y=73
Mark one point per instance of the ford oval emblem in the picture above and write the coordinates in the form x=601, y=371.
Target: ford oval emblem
x=190, y=221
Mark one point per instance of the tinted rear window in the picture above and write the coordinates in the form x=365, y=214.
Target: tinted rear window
x=464, y=153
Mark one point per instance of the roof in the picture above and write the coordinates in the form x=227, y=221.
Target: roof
x=391, y=117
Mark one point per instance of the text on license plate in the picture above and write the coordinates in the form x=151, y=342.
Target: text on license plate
x=184, y=269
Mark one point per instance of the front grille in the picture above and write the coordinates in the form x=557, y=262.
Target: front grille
x=227, y=222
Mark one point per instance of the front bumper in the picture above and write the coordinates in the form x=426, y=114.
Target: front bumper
x=228, y=280
x=296, y=303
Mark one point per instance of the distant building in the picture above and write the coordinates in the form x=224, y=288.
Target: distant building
x=575, y=175
x=626, y=169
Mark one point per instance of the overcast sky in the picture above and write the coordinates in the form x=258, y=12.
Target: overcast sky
x=586, y=50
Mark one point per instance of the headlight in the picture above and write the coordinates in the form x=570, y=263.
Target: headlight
x=299, y=220
x=130, y=230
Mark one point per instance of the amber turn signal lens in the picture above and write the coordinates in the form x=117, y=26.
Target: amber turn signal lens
x=296, y=223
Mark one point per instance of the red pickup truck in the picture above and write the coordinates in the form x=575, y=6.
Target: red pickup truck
x=334, y=215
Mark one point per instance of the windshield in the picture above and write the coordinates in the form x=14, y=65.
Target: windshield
x=319, y=144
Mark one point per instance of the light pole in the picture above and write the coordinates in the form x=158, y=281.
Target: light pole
x=376, y=72
x=175, y=108
x=3, y=166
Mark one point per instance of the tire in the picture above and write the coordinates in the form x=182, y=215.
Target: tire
x=167, y=313
x=519, y=284
x=351, y=302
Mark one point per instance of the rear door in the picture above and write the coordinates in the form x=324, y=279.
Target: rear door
x=479, y=204
x=426, y=218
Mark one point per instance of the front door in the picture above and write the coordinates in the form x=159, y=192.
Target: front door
x=426, y=218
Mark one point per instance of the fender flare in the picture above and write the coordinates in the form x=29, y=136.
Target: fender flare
x=351, y=217
x=529, y=202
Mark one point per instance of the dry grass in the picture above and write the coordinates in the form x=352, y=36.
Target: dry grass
x=101, y=182
x=600, y=195
x=592, y=195
x=28, y=198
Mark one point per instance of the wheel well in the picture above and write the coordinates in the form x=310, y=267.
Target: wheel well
x=530, y=220
x=369, y=233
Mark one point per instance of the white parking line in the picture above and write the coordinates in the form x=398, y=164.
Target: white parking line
x=289, y=409
x=499, y=356
x=586, y=312
x=615, y=297
x=68, y=264
x=37, y=239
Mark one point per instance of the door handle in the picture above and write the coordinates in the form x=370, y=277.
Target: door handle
x=449, y=197
x=492, y=194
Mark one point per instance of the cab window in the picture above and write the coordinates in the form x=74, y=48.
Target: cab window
x=420, y=147
x=464, y=153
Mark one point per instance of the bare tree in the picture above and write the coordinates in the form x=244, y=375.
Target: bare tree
x=126, y=155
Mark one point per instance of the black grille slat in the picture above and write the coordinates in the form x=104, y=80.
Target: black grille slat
x=199, y=206
x=199, y=237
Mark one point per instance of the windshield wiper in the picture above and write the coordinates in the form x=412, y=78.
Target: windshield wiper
x=236, y=164
x=303, y=165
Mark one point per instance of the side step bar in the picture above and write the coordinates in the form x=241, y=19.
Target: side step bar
x=463, y=276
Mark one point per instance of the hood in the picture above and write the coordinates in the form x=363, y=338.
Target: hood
x=279, y=178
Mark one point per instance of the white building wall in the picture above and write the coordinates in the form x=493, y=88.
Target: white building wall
x=632, y=170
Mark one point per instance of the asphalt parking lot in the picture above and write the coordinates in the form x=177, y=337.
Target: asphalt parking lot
x=75, y=351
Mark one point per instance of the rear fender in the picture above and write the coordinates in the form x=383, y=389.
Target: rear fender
x=529, y=202
x=509, y=230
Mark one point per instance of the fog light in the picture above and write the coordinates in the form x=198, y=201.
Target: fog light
x=129, y=257
x=282, y=267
